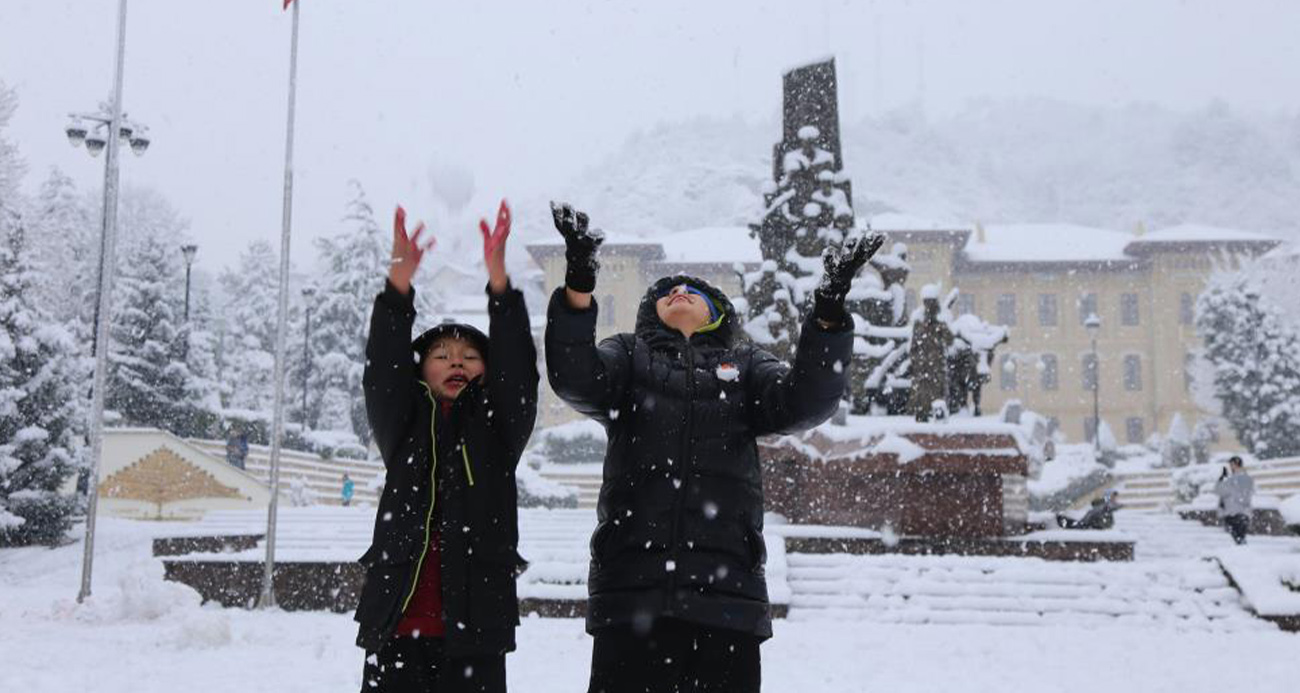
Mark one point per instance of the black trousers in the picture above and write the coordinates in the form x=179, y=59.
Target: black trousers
x=418, y=665
x=674, y=657
x=1238, y=525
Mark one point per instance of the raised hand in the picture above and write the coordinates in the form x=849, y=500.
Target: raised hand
x=581, y=245
x=494, y=249
x=841, y=265
x=407, y=252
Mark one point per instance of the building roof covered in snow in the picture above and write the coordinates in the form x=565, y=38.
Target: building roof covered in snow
x=1046, y=243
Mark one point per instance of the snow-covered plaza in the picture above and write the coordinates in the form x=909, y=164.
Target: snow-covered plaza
x=140, y=634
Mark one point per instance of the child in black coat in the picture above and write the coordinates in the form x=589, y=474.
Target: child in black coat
x=451, y=413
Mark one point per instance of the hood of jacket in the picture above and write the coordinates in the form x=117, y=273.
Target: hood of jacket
x=721, y=333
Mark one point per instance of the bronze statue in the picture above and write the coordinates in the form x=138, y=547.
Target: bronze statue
x=930, y=341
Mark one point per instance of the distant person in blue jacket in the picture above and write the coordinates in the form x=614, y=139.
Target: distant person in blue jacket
x=348, y=489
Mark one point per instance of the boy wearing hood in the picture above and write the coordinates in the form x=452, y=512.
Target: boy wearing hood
x=451, y=412
x=677, y=595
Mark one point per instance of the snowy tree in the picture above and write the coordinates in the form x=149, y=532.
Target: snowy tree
x=1176, y=446
x=355, y=262
x=12, y=167
x=1256, y=365
x=252, y=303
x=67, y=236
x=150, y=382
x=40, y=376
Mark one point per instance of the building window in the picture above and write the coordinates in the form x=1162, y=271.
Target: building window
x=1133, y=372
x=965, y=304
x=1089, y=428
x=1007, y=373
x=1089, y=372
x=1128, y=309
x=1051, y=379
x=1007, y=310
x=1047, y=314
x=1186, y=309
x=607, y=308
x=1189, y=367
x=1087, y=306
x=1134, y=429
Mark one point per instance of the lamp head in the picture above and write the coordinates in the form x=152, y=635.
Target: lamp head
x=76, y=132
x=95, y=143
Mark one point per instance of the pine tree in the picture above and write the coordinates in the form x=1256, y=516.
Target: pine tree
x=1255, y=359
x=355, y=261
x=67, y=235
x=150, y=383
x=252, y=303
x=39, y=388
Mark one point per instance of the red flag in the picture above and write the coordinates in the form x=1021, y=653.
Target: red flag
x=287, y=3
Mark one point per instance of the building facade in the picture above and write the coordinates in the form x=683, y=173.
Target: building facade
x=1041, y=280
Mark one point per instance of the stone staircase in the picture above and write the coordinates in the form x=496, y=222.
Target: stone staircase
x=1170, y=584
x=1154, y=490
x=586, y=478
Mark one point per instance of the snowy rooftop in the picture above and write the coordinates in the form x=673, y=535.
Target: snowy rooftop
x=727, y=244
x=1196, y=233
x=1047, y=243
x=998, y=243
x=898, y=221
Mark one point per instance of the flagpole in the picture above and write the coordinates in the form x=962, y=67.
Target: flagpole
x=267, y=599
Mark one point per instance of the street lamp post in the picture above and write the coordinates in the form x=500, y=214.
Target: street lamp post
x=188, y=250
x=1093, y=325
x=105, y=132
x=307, y=293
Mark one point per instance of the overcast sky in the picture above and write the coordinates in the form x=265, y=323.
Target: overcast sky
x=525, y=94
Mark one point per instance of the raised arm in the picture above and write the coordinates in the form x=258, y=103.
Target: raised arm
x=591, y=378
x=512, y=369
x=784, y=398
x=390, y=379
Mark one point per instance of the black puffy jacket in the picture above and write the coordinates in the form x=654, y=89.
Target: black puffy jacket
x=680, y=515
x=471, y=455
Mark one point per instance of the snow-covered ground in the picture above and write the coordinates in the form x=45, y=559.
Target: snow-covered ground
x=140, y=634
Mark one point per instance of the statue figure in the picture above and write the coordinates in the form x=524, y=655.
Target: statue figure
x=929, y=355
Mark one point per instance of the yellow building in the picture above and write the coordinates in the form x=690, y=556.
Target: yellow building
x=1040, y=280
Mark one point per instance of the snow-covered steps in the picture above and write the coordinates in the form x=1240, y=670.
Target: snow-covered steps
x=586, y=478
x=1013, y=591
x=1154, y=490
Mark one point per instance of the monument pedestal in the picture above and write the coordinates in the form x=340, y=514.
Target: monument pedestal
x=940, y=480
x=953, y=487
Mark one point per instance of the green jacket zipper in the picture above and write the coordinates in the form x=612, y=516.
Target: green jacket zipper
x=433, y=496
x=433, y=491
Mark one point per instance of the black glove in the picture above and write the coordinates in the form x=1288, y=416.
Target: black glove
x=841, y=266
x=581, y=244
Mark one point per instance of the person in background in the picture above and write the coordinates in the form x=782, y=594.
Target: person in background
x=348, y=489
x=1235, y=491
x=237, y=447
x=1100, y=516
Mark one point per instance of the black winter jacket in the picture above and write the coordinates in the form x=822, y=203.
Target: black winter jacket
x=478, y=446
x=680, y=515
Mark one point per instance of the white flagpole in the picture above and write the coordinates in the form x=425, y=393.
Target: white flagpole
x=267, y=599
x=107, y=264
